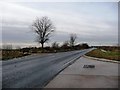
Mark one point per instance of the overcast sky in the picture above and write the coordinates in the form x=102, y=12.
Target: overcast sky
x=95, y=23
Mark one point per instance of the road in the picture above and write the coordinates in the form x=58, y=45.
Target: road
x=36, y=71
x=104, y=75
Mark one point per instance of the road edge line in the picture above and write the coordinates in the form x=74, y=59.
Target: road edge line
x=67, y=65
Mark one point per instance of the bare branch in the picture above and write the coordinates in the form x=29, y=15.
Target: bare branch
x=72, y=39
x=43, y=27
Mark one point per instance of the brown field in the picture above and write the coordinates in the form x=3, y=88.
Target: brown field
x=9, y=54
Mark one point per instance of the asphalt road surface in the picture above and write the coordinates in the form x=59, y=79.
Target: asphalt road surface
x=37, y=70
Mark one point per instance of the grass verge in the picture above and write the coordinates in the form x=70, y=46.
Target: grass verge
x=12, y=54
x=100, y=53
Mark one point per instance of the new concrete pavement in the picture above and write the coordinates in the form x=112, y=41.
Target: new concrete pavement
x=37, y=70
x=104, y=75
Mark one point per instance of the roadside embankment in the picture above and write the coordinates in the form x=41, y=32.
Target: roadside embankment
x=106, y=54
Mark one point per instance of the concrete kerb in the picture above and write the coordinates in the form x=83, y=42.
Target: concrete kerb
x=66, y=65
x=101, y=59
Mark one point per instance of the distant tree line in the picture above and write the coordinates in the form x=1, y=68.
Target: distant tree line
x=55, y=48
x=108, y=48
x=43, y=28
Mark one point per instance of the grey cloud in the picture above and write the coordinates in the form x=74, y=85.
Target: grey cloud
x=16, y=29
x=25, y=35
x=17, y=34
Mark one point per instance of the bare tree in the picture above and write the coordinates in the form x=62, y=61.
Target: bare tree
x=65, y=45
x=43, y=27
x=72, y=39
x=55, y=45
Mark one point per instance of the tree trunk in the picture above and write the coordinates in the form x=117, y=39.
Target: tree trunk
x=42, y=47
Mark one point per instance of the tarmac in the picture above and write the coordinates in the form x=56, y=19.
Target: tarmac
x=104, y=75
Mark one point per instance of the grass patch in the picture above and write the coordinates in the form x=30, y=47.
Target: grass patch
x=10, y=54
x=100, y=53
